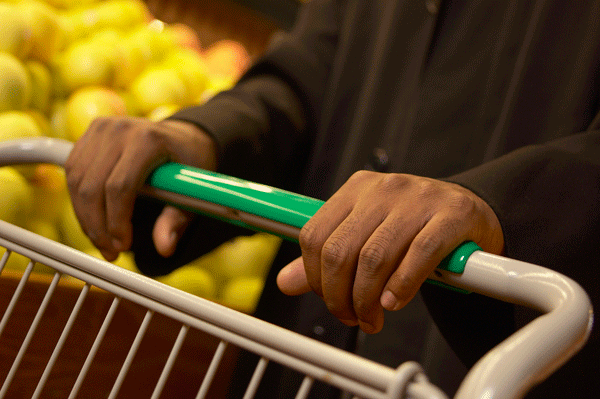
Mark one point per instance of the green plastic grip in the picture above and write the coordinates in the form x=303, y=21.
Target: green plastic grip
x=269, y=203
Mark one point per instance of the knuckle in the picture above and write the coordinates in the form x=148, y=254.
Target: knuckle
x=88, y=192
x=309, y=237
x=334, y=253
x=115, y=188
x=427, y=245
x=392, y=181
x=372, y=257
x=363, y=306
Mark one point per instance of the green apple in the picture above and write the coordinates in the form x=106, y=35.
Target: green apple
x=15, y=34
x=242, y=293
x=191, y=279
x=88, y=103
x=15, y=84
x=156, y=86
x=41, y=85
x=46, y=29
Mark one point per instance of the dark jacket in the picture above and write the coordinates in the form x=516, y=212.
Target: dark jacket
x=500, y=97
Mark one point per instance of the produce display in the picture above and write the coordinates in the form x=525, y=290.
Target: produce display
x=65, y=62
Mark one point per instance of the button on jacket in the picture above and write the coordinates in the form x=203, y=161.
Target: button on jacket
x=498, y=96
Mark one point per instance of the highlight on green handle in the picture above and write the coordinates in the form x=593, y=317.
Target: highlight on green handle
x=264, y=201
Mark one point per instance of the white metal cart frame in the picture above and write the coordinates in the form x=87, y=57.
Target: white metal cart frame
x=508, y=371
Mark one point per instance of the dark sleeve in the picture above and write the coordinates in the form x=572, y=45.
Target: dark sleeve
x=547, y=198
x=263, y=127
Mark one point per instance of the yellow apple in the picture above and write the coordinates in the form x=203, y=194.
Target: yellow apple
x=156, y=86
x=41, y=85
x=247, y=256
x=131, y=59
x=162, y=112
x=16, y=196
x=44, y=228
x=242, y=293
x=70, y=230
x=85, y=64
x=151, y=40
x=125, y=260
x=58, y=120
x=46, y=28
x=15, y=34
x=42, y=121
x=191, y=69
x=17, y=125
x=184, y=36
x=191, y=279
x=120, y=14
x=15, y=84
x=50, y=192
x=88, y=103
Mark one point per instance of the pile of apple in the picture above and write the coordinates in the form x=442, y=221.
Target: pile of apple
x=65, y=62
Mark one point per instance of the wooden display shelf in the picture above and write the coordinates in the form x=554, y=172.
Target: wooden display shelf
x=184, y=380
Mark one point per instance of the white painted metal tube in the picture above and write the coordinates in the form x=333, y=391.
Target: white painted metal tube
x=534, y=352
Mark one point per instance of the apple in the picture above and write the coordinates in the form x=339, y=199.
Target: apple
x=184, y=36
x=46, y=29
x=152, y=41
x=162, y=112
x=156, y=86
x=125, y=260
x=191, y=279
x=242, y=293
x=70, y=230
x=88, y=103
x=16, y=196
x=58, y=120
x=247, y=256
x=191, y=68
x=120, y=14
x=15, y=33
x=85, y=63
x=44, y=228
x=41, y=85
x=16, y=125
x=227, y=58
x=50, y=192
x=42, y=121
x=131, y=58
x=15, y=84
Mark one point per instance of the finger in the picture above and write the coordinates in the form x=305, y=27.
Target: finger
x=339, y=257
x=378, y=259
x=315, y=233
x=168, y=229
x=123, y=184
x=91, y=191
x=429, y=247
x=291, y=280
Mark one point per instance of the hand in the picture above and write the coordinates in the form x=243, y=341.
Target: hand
x=110, y=163
x=377, y=239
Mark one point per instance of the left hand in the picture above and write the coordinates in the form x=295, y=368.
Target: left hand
x=378, y=238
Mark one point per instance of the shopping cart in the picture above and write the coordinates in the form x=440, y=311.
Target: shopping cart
x=508, y=371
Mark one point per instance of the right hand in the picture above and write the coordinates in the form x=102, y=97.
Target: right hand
x=110, y=163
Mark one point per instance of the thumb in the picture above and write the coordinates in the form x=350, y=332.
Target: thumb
x=168, y=229
x=291, y=280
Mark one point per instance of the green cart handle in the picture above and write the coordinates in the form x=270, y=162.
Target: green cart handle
x=237, y=201
x=252, y=205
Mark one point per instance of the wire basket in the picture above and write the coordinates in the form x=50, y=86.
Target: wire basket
x=58, y=334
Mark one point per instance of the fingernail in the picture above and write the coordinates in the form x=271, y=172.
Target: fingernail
x=388, y=300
